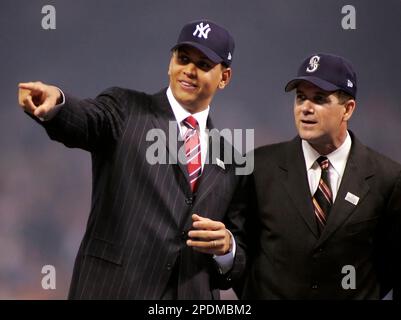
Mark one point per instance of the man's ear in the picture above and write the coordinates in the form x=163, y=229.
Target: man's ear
x=225, y=77
x=349, y=108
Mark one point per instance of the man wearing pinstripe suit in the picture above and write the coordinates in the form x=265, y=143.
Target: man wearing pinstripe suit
x=137, y=244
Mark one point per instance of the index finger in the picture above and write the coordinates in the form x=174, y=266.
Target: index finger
x=208, y=224
x=33, y=86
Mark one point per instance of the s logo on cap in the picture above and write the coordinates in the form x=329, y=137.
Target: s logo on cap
x=313, y=64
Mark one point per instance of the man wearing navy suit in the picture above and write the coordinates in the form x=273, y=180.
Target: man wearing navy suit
x=154, y=230
x=323, y=211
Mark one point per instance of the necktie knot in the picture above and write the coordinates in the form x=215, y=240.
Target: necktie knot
x=190, y=122
x=323, y=162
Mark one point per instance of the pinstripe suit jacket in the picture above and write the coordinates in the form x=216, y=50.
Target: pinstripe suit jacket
x=140, y=213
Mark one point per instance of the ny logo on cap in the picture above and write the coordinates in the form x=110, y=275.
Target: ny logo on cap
x=202, y=31
x=313, y=64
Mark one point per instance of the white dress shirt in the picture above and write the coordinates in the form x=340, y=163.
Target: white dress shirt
x=337, y=162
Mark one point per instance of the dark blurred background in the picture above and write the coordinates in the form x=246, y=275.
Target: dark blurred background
x=45, y=187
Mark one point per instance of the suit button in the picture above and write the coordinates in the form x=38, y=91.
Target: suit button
x=314, y=286
x=189, y=200
x=317, y=253
x=168, y=266
x=183, y=235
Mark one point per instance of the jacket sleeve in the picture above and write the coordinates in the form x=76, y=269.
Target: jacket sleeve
x=89, y=124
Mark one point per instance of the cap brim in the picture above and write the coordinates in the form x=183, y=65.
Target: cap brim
x=322, y=84
x=210, y=54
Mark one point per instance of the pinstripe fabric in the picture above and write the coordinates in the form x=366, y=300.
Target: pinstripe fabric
x=140, y=213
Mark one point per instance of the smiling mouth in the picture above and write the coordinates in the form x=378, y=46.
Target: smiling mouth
x=187, y=85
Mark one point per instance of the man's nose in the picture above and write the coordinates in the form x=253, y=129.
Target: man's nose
x=307, y=107
x=190, y=70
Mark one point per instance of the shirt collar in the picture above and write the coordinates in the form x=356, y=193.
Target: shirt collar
x=180, y=113
x=337, y=158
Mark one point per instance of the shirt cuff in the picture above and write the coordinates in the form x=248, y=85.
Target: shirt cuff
x=225, y=262
x=56, y=108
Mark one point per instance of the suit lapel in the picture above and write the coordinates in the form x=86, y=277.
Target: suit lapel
x=297, y=184
x=212, y=171
x=357, y=170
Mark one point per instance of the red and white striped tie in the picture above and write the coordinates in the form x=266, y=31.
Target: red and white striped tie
x=192, y=151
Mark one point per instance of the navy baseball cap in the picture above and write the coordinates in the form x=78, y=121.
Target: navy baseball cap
x=212, y=40
x=328, y=72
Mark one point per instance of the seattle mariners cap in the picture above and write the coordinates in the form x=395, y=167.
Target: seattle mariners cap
x=328, y=72
x=211, y=39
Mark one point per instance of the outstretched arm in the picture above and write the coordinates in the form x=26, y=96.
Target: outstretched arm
x=88, y=124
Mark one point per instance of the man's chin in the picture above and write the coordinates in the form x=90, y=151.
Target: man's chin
x=311, y=139
x=308, y=136
x=189, y=106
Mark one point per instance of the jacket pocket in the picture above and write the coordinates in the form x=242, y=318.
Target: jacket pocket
x=104, y=250
x=363, y=226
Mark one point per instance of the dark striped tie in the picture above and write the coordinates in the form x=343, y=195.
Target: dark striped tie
x=192, y=151
x=323, y=197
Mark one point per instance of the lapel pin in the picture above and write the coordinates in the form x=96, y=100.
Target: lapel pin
x=220, y=164
x=352, y=198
